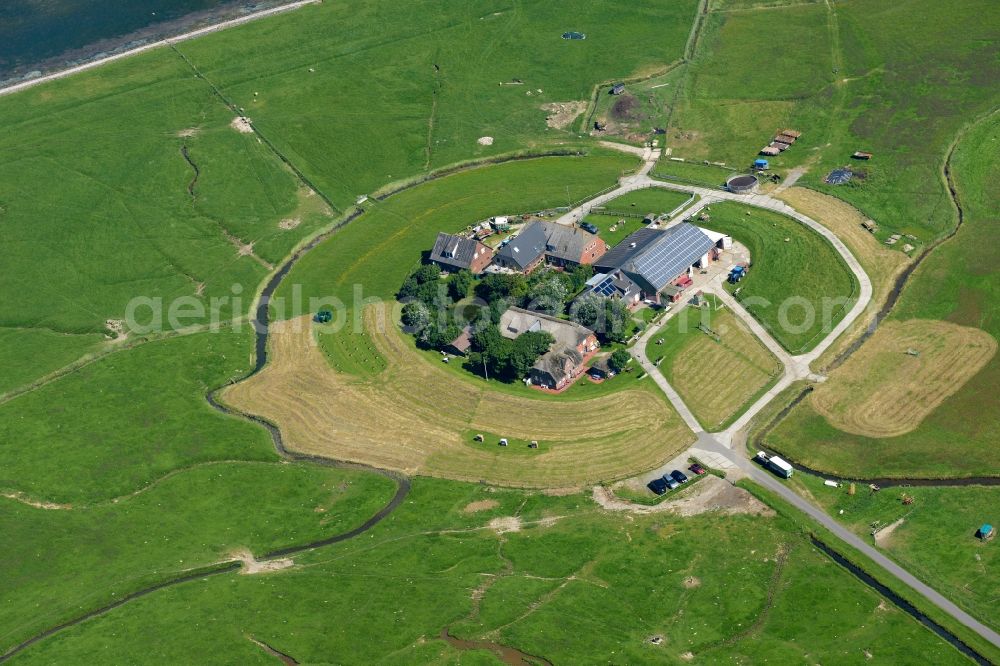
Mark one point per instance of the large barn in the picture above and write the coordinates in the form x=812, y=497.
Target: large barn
x=655, y=259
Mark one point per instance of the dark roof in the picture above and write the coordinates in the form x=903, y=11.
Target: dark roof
x=669, y=255
x=463, y=342
x=622, y=253
x=565, y=242
x=559, y=363
x=525, y=248
x=454, y=250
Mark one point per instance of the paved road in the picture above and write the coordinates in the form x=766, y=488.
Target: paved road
x=729, y=443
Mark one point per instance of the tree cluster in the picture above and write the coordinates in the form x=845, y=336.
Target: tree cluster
x=504, y=358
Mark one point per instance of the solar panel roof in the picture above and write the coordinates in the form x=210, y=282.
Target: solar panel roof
x=671, y=254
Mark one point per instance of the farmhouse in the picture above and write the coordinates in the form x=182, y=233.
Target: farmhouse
x=524, y=252
x=570, y=246
x=657, y=259
x=454, y=253
x=460, y=345
x=618, y=89
x=564, y=360
x=557, y=244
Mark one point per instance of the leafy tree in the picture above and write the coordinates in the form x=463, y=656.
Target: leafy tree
x=525, y=351
x=618, y=360
x=416, y=317
x=502, y=286
x=579, y=276
x=437, y=336
x=459, y=285
x=426, y=273
x=549, y=295
x=608, y=317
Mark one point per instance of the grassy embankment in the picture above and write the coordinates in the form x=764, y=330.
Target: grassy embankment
x=765, y=593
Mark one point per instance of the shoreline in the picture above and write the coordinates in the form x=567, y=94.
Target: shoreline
x=192, y=34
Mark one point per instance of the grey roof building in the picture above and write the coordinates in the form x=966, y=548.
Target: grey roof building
x=654, y=258
x=458, y=252
x=525, y=250
x=516, y=321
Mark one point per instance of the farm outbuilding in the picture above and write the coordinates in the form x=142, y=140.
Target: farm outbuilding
x=760, y=164
x=986, y=532
x=742, y=184
x=770, y=151
x=618, y=89
x=861, y=155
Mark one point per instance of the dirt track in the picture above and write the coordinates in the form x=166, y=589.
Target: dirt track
x=416, y=418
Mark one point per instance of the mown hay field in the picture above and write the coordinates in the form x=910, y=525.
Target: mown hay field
x=717, y=379
x=883, y=391
x=415, y=417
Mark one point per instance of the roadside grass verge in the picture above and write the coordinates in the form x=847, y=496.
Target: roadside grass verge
x=197, y=517
x=525, y=589
x=695, y=173
x=808, y=526
x=933, y=537
x=799, y=289
x=127, y=419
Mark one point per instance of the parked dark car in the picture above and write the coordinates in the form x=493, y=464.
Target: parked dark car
x=587, y=226
x=697, y=469
x=658, y=486
x=679, y=476
x=671, y=482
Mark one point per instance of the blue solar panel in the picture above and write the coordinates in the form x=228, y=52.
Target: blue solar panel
x=606, y=287
x=671, y=254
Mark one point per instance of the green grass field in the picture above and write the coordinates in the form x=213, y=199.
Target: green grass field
x=653, y=200
x=127, y=419
x=572, y=585
x=897, y=80
x=798, y=289
x=62, y=561
x=936, y=539
x=28, y=354
x=957, y=284
x=696, y=173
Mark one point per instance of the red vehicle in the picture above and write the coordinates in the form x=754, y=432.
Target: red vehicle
x=697, y=469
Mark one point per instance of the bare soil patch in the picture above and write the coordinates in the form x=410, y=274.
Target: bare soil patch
x=481, y=505
x=188, y=132
x=884, y=535
x=24, y=499
x=505, y=524
x=253, y=566
x=289, y=223
x=882, y=391
x=561, y=114
x=242, y=125
x=386, y=422
x=691, y=582
x=485, y=141
x=709, y=494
